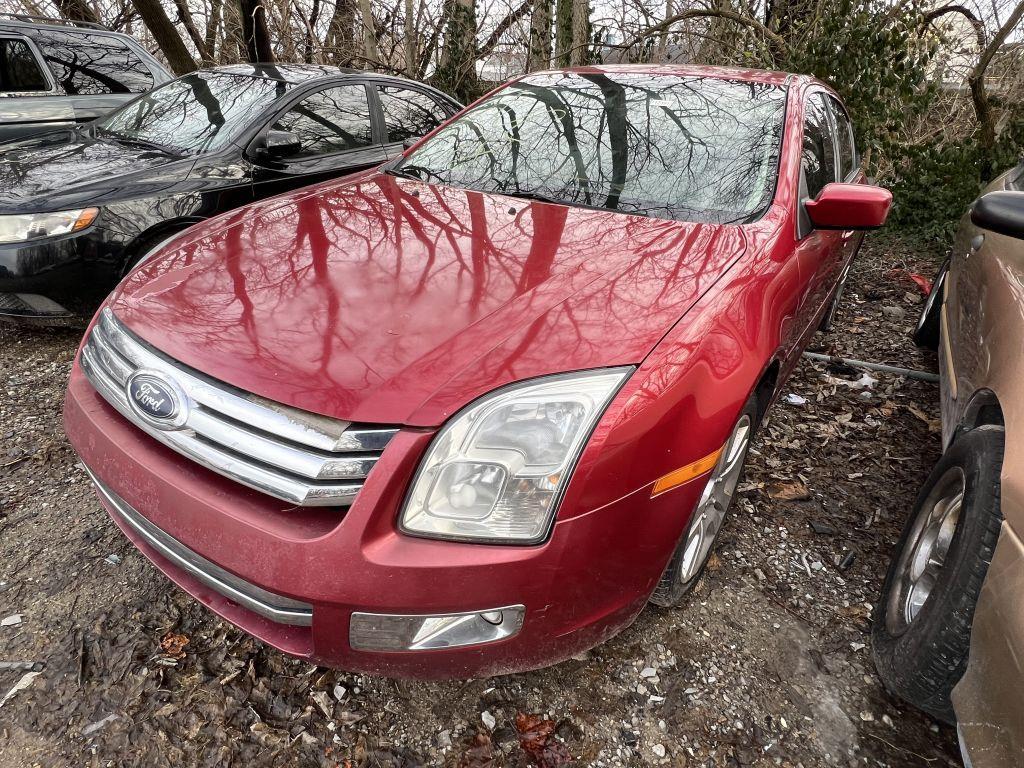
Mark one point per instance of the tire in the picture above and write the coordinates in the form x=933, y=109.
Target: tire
x=149, y=247
x=926, y=334
x=685, y=569
x=833, y=307
x=921, y=653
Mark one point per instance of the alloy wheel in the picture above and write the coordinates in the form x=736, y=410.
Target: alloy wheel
x=924, y=555
x=715, y=501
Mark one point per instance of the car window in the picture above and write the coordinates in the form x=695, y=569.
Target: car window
x=92, y=63
x=195, y=113
x=819, y=152
x=331, y=120
x=19, y=70
x=409, y=114
x=669, y=146
x=844, y=138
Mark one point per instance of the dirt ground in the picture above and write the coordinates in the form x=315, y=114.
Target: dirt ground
x=769, y=663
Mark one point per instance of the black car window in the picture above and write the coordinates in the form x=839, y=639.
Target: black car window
x=331, y=120
x=676, y=147
x=92, y=63
x=409, y=114
x=19, y=70
x=819, y=152
x=844, y=137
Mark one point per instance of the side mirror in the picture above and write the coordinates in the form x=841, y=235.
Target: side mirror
x=1000, y=212
x=849, y=206
x=280, y=144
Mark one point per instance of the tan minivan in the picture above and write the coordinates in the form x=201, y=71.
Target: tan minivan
x=948, y=631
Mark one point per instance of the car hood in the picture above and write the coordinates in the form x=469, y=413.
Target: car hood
x=69, y=169
x=392, y=301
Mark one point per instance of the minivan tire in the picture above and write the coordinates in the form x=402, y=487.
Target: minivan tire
x=921, y=658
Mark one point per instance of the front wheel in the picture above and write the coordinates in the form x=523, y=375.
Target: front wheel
x=926, y=334
x=921, y=629
x=694, y=551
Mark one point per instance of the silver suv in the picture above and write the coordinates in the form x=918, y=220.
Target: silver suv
x=55, y=74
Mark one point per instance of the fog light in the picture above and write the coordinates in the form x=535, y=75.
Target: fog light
x=392, y=632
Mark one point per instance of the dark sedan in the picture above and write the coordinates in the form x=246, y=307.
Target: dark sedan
x=80, y=207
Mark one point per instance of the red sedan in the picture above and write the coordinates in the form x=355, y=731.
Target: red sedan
x=470, y=412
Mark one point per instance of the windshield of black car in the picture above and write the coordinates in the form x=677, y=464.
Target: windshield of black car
x=197, y=113
x=686, y=148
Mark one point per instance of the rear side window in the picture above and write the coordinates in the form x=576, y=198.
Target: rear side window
x=331, y=120
x=819, y=152
x=91, y=63
x=409, y=114
x=844, y=139
x=19, y=70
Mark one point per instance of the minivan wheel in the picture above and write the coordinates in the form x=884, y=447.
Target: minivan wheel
x=926, y=334
x=695, y=548
x=921, y=626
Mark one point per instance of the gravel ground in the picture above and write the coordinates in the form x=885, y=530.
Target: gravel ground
x=767, y=664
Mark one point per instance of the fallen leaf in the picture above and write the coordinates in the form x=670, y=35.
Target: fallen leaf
x=173, y=645
x=479, y=753
x=793, y=490
x=537, y=741
x=934, y=425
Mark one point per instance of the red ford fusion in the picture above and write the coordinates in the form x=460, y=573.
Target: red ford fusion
x=470, y=412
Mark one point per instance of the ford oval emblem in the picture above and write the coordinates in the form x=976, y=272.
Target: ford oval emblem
x=156, y=399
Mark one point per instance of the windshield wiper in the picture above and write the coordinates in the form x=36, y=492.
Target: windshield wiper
x=131, y=142
x=540, y=198
x=402, y=174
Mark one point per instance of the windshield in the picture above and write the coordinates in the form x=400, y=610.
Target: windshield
x=196, y=113
x=687, y=148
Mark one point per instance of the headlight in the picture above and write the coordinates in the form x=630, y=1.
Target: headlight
x=21, y=227
x=496, y=471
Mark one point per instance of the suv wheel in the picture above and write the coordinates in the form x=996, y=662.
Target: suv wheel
x=922, y=622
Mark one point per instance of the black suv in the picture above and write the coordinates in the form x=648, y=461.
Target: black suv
x=81, y=206
x=53, y=75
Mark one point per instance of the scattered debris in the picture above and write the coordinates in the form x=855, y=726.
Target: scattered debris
x=794, y=399
x=21, y=685
x=90, y=729
x=11, y=621
x=791, y=490
x=173, y=645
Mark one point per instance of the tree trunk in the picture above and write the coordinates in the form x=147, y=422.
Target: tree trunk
x=232, y=47
x=456, y=72
x=212, y=28
x=255, y=34
x=339, y=36
x=580, y=53
x=369, y=33
x=77, y=10
x=539, y=56
x=410, y=40
x=166, y=36
x=185, y=17
x=563, y=32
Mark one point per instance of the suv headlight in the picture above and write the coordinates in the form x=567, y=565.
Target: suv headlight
x=22, y=227
x=496, y=471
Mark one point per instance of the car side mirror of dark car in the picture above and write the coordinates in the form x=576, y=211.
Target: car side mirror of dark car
x=849, y=206
x=1000, y=212
x=280, y=144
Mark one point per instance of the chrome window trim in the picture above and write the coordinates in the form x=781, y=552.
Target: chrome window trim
x=293, y=455
x=277, y=608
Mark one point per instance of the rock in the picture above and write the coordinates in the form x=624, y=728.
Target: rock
x=648, y=672
x=112, y=559
x=894, y=312
x=444, y=739
x=11, y=621
x=658, y=750
x=488, y=720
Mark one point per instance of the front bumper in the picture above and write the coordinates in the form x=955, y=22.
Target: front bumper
x=587, y=582
x=59, y=277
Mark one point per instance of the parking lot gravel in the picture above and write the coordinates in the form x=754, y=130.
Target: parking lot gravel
x=768, y=663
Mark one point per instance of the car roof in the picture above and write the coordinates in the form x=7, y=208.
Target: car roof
x=688, y=70
x=286, y=73
x=74, y=28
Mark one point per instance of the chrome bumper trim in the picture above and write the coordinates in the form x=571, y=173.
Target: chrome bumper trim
x=282, y=610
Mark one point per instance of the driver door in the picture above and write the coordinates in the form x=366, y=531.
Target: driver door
x=337, y=135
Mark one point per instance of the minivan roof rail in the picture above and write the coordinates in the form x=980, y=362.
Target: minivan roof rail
x=29, y=18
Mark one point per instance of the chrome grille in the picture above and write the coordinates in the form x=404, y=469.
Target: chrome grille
x=293, y=455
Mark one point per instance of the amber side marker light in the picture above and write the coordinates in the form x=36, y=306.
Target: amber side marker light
x=685, y=474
